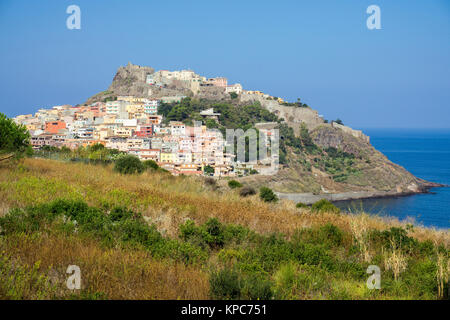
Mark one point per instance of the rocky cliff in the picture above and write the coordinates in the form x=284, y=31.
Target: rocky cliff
x=356, y=167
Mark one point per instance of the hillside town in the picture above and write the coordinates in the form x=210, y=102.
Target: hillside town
x=132, y=125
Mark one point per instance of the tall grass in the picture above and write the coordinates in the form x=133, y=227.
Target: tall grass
x=249, y=250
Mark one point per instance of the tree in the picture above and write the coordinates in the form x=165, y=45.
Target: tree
x=14, y=139
x=339, y=121
x=208, y=170
x=211, y=124
x=233, y=184
x=150, y=164
x=129, y=164
x=233, y=95
x=267, y=195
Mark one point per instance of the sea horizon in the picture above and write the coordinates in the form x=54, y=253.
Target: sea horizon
x=426, y=154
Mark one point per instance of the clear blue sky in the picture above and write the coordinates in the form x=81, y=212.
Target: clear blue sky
x=320, y=51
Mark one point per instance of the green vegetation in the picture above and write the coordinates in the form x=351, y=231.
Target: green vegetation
x=153, y=237
x=150, y=164
x=267, y=195
x=208, y=170
x=94, y=154
x=14, y=139
x=324, y=206
x=233, y=95
x=250, y=266
x=301, y=205
x=233, y=184
x=129, y=165
x=231, y=116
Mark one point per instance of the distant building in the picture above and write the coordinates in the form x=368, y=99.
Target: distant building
x=54, y=126
x=210, y=114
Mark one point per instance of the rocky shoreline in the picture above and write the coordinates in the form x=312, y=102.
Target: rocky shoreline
x=310, y=198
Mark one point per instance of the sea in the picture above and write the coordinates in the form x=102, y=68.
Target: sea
x=426, y=154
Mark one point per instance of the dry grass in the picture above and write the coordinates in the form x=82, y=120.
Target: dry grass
x=395, y=260
x=115, y=273
x=169, y=201
x=360, y=230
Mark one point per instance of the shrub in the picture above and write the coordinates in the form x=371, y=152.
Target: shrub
x=225, y=284
x=150, y=164
x=14, y=139
x=128, y=164
x=301, y=205
x=325, y=206
x=210, y=234
x=332, y=234
x=256, y=287
x=233, y=95
x=208, y=170
x=247, y=191
x=267, y=195
x=234, y=184
x=210, y=182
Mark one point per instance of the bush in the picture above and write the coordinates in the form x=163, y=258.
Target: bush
x=14, y=139
x=208, y=170
x=150, y=164
x=325, y=206
x=210, y=182
x=225, y=284
x=129, y=164
x=234, y=184
x=233, y=95
x=301, y=205
x=256, y=287
x=332, y=234
x=267, y=195
x=210, y=234
x=247, y=191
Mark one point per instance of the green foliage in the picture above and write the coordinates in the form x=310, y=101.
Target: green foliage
x=301, y=205
x=267, y=195
x=129, y=164
x=95, y=154
x=208, y=170
x=313, y=262
x=324, y=205
x=118, y=226
x=331, y=234
x=210, y=234
x=211, y=124
x=233, y=95
x=233, y=184
x=14, y=139
x=397, y=238
x=257, y=287
x=150, y=164
x=225, y=284
x=247, y=191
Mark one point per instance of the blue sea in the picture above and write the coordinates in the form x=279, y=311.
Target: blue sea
x=424, y=153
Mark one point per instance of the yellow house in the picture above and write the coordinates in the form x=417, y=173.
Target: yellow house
x=168, y=157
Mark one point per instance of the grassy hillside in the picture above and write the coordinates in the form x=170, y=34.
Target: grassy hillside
x=155, y=236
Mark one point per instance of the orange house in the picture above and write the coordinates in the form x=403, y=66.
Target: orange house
x=54, y=126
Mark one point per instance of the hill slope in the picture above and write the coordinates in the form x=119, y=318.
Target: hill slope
x=152, y=237
x=342, y=159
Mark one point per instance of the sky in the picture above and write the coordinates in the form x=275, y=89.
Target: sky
x=320, y=51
